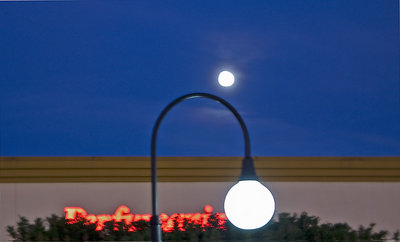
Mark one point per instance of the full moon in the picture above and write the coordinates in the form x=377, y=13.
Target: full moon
x=226, y=79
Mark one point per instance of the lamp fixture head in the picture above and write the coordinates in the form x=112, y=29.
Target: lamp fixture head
x=249, y=204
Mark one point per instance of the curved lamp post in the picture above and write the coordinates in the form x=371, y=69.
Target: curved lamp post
x=248, y=204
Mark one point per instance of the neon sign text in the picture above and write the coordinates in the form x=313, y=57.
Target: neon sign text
x=123, y=214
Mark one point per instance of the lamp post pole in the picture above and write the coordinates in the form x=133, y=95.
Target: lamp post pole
x=248, y=171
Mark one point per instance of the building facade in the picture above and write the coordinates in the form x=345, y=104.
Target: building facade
x=356, y=190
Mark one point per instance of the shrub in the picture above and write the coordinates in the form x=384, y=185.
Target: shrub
x=287, y=227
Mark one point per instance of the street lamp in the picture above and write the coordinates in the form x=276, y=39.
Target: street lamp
x=248, y=204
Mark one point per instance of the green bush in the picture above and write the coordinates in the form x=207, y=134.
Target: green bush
x=287, y=227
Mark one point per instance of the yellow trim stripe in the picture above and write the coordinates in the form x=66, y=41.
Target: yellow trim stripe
x=197, y=169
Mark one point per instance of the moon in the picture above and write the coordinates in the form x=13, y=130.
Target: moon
x=226, y=79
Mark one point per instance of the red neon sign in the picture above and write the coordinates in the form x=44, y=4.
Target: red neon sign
x=122, y=214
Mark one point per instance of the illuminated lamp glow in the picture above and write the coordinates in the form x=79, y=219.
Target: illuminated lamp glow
x=249, y=205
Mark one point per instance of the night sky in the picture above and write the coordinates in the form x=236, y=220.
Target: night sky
x=313, y=78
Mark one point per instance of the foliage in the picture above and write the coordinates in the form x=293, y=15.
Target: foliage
x=287, y=227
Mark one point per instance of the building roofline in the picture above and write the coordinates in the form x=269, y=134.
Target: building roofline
x=197, y=169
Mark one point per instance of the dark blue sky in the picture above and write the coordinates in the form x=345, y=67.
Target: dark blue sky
x=314, y=78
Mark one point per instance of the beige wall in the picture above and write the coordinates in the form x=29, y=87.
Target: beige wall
x=352, y=202
x=356, y=190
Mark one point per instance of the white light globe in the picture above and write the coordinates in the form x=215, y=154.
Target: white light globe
x=226, y=79
x=249, y=205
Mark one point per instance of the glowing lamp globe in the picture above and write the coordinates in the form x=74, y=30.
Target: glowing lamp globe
x=249, y=205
